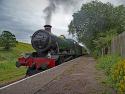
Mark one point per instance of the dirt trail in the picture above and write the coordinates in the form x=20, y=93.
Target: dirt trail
x=81, y=78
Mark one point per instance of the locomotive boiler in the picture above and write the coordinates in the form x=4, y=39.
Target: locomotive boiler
x=50, y=51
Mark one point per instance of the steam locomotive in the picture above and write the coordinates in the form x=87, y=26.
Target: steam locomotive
x=50, y=51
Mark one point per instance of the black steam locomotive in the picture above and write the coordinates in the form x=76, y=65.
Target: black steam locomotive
x=50, y=51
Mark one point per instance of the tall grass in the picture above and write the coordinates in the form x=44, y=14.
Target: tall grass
x=106, y=62
x=8, y=70
x=111, y=65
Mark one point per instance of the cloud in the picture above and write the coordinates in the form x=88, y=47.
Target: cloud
x=24, y=17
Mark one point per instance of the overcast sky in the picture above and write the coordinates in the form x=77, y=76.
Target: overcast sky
x=24, y=17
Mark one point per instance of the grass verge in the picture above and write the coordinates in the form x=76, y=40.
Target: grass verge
x=8, y=70
x=114, y=68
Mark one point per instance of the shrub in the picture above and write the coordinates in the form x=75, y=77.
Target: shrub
x=106, y=62
x=7, y=40
x=114, y=67
x=118, y=76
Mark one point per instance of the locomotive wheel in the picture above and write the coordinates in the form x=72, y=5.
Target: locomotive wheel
x=31, y=71
x=43, y=67
x=59, y=61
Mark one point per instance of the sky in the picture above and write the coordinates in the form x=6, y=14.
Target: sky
x=24, y=17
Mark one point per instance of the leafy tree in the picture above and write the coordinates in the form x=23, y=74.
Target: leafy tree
x=7, y=40
x=103, y=40
x=96, y=23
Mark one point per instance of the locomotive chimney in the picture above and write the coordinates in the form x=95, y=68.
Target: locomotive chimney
x=48, y=28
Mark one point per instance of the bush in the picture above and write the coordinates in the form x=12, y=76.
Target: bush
x=7, y=40
x=106, y=62
x=114, y=67
x=118, y=76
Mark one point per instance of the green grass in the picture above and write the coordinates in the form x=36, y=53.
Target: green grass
x=106, y=63
x=8, y=70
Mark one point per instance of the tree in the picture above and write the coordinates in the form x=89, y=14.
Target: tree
x=103, y=41
x=7, y=40
x=94, y=19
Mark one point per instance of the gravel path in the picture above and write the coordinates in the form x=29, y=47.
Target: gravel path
x=80, y=78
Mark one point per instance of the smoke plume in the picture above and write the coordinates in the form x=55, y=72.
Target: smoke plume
x=55, y=4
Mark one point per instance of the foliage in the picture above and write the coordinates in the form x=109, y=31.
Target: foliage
x=8, y=70
x=7, y=40
x=97, y=23
x=106, y=62
x=103, y=40
x=118, y=76
x=114, y=67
